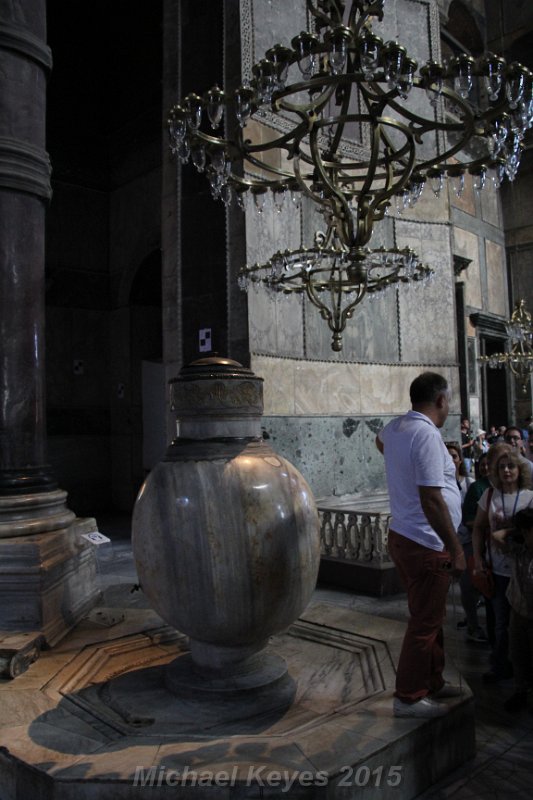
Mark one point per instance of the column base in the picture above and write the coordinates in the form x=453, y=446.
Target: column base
x=48, y=581
x=34, y=512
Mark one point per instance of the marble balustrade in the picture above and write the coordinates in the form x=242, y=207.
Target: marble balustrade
x=354, y=535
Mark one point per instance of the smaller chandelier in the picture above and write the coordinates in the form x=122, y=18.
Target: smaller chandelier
x=334, y=279
x=519, y=358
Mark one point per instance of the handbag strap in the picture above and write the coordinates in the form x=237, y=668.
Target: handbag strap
x=488, y=538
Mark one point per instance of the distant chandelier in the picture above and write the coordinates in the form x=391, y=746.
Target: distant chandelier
x=335, y=117
x=519, y=358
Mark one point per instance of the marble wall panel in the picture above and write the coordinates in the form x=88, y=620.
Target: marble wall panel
x=261, y=321
x=258, y=133
x=258, y=246
x=316, y=387
x=289, y=325
x=285, y=226
x=308, y=444
x=430, y=208
x=272, y=22
x=270, y=231
x=521, y=267
x=490, y=202
x=318, y=337
x=474, y=412
x=385, y=388
x=466, y=244
x=372, y=333
x=278, y=388
x=496, y=278
x=452, y=376
x=427, y=312
x=275, y=323
x=337, y=455
x=326, y=388
x=403, y=20
x=517, y=199
x=466, y=201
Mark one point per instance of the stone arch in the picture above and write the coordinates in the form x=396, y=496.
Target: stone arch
x=135, y=275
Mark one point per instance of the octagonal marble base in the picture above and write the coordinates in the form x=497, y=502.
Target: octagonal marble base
x=93, y=719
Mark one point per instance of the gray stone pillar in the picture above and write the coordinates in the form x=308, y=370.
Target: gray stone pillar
x=24, y=187
x=44, y=565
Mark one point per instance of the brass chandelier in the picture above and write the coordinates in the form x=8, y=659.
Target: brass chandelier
x=519, y=358
x=344, y=119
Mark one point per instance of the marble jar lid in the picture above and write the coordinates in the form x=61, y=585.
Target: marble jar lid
x=217, y=387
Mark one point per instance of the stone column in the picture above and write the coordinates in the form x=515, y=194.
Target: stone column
x=40, y=552
x=24, y=185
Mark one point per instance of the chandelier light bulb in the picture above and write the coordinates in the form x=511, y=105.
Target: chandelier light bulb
x=433, y=75
x=461, y=68
x=370, y=47
x=394, y=56
x=243, y=104
x=214, y=102
x=280, y=56
x=278, y=197
x=479, y=178
x=516, y=84
x=259, y=200
x=436, y=179
x=306, y=46
x=458, y=181
x=184, y=151
x=193, y=111
x=492, y=68
x=198, y=157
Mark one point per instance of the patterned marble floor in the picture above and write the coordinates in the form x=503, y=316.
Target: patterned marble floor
x=503, y=766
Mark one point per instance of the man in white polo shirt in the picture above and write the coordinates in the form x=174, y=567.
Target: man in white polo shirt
x=425, y=514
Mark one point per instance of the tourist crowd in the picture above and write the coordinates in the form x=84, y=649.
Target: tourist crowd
x=494, y=473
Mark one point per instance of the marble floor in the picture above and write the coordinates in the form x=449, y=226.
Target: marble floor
x=503, y=765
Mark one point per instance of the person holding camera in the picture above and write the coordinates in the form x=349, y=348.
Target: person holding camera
x=518, y=543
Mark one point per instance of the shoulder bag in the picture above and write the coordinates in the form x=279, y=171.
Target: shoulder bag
x=483, y=581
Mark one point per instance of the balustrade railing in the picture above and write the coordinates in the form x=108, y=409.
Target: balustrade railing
x=349, y=531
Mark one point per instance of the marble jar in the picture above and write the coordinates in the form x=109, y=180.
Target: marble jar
x=225, y=531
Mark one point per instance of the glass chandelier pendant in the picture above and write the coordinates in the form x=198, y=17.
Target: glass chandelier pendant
x=317, y=95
